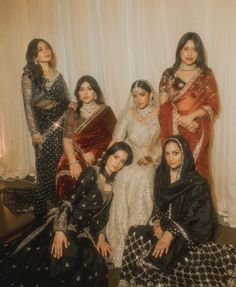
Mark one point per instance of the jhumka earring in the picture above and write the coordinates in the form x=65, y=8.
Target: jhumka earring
x=150, y=101
x=35, y=61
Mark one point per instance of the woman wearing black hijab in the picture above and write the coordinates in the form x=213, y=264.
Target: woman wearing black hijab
x=176, y=249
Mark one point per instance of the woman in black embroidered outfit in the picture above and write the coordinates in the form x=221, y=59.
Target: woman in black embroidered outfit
x=45, y=99
x=79, y=242
x=176, y=250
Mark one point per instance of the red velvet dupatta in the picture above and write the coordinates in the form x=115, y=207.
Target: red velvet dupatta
x=199, y=92
x=93, y=135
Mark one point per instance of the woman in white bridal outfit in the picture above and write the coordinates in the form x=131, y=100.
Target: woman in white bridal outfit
x=133, y=188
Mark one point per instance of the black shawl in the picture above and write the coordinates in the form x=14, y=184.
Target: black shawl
x=189, y=200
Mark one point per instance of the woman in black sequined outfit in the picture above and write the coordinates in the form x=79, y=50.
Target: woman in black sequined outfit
x=176, y=250
x=45, y=100
x=68, y=248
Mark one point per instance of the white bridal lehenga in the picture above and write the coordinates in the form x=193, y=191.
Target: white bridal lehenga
x=133, y=186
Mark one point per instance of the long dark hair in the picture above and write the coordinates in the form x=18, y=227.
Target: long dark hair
x=94, y=85
x=141, y=84
x=201, y=60
x=32, y=67
x=113, y=149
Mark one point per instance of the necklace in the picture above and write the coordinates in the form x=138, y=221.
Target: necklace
x=108, y=178
x=184, y=67
x=177, y=170
x=144, y=112
x=89, y=108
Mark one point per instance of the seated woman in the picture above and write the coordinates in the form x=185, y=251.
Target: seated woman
x=133, y=199
x=76, y=230
x=177, y=250
x=87, y=133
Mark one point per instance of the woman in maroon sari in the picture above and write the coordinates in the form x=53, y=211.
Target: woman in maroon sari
x=189, y=99
x=87, y=133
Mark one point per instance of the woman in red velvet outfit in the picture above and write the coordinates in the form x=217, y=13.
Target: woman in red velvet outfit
x=87, y=133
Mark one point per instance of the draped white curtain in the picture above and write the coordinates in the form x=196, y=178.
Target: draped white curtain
x=118, y=41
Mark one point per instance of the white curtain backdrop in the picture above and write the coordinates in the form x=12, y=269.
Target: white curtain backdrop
x=118, y=41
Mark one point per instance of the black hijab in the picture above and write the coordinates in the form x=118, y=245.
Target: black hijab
x=165, y=191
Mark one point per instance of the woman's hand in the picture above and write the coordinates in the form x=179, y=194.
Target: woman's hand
x=193, y=127
x=38, y=139
x=103, y=246
x=158, y=232
x=163, y=244
x=89, y=158
x=75, y=170
x=59, y=242
x=145, y=160
x=73, y=105
x=185, y=121
x=188, y=122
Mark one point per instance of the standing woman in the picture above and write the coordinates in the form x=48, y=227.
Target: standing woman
x=189, y=99
x=45, y=99
x=133, y=197
x=87, y=133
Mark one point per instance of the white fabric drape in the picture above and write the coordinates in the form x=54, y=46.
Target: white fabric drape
x=118, y=42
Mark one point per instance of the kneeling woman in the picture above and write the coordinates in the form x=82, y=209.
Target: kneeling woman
x=177, y=250
x=77, y=231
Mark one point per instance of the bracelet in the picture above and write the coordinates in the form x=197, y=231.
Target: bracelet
x=74, y=162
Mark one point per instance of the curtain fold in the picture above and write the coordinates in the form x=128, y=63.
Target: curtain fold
x=118, y=42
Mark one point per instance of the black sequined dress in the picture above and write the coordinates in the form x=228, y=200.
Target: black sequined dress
x=45, y=106
x=27, y=261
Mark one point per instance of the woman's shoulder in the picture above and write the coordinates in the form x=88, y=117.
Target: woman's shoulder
x=202, y=186
x=169, y=71
x=105, y=107
x=129, y=113
x=27, y=74
x=71, y=113
x=207, y=74
x=107, y=110
x=58, y=74
x=92, y=171
x=206, y=71
x=88, y=173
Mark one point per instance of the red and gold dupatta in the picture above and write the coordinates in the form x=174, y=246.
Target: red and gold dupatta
x=199, y=92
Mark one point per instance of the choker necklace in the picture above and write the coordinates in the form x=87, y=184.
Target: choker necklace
x=176, y=168
x=108, y=178
x=184, y=67
x=145, y=112
x=90, y=108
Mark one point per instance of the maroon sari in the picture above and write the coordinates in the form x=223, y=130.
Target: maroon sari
x=90, y=135
x=199, y=92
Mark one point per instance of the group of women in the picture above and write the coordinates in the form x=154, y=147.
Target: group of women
x=126, y=190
